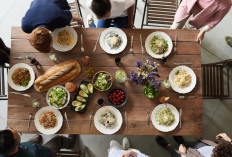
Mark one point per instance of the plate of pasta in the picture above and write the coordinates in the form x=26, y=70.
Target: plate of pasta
x=165, y=117
x=182, y=79
x=64, y=39
x=108, y=120
x=48, y=120
x=21, y=77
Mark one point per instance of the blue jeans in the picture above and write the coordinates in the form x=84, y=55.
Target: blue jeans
x=119, y=22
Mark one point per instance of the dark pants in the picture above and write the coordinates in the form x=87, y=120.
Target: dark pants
x=4, y=53
x=119, y=22
x=59, y=142
x=194, y=145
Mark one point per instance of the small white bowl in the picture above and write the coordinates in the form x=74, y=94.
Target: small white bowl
x=67, y=101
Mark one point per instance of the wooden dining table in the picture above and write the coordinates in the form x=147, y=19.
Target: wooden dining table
x=188, y=51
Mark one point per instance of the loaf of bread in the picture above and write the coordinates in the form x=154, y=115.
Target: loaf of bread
x=57, y=75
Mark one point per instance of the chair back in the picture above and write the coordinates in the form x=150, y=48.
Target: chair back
x=75, y=8
x=3, y=81
x=215, y=80
x=159, y=13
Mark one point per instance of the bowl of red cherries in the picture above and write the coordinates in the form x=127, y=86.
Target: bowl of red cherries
x=117, y=97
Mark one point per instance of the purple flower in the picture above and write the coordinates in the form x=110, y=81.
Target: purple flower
x=138, y=64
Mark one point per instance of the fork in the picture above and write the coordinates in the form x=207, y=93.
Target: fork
x=148, y=116
x=82, y=47
x=29, y=121
x=90, y=117
x=131, y=48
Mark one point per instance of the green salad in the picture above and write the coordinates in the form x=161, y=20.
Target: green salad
x=102, y=81
x=165, y=116
x=57, y=97
x=158, y=45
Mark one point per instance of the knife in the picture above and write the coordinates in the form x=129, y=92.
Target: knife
x=141, y=41
x=96, y=42
x=18, y=57
x=180, y=116
x=65, y=115
x=126, y=121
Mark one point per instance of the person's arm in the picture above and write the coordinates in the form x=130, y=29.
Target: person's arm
x=223, y=136
x=213, y=21
x=130, y=23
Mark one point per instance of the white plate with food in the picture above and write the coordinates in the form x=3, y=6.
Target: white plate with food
x=113, y=40
x=182, y=79
x=158, y=45
x=21, y=77
x=108, y=120
x=48, y=120
x=58, y=97
x=165, y=117
x=64, y=39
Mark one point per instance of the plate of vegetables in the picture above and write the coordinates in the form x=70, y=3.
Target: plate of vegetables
x=58, y=97
x=165, y=117
x=21, y=77
x=82, y=97
x=102, y=81
x=158, y=45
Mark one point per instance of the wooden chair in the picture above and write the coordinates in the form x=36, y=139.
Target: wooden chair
x=215, y=80
x=75, y=8
x=3, y=72
x=159, y=13
x=71, y=153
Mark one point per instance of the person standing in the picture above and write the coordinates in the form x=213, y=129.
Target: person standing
x=206, y=14
x=43, y=17
x=118, y=12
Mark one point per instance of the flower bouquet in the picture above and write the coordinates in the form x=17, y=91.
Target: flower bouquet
x=146, y=76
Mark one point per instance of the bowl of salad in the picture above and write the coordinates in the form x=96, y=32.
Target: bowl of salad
x=58, y=97
x=102, y=81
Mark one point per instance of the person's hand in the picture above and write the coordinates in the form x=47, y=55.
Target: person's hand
x=77, y=18
x=200, y=36
x=129, y=153
x=182, y=149
x=223, y=136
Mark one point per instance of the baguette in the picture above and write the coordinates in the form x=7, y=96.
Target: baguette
x=57, y=75
x=50, y=72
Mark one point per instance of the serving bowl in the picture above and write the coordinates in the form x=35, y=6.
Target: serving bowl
x=120, y=98
x=56, y=97
x=95, y=78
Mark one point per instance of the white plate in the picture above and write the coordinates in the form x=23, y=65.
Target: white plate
x=166, y=37
x=40, y=128
x=67, y=101
x=106, y=47
x=164, y=128
x=12, y=70
x=102, y=128
x=186, y=89
x=59, y=47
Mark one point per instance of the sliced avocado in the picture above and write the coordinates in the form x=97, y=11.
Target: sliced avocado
x=90, y=87
x=79, y=108
x=84, y=88
x=83, y=94
x=79, y=98
x=76, y=103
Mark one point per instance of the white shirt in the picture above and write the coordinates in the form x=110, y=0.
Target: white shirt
x=118, y=7
x=206, y=151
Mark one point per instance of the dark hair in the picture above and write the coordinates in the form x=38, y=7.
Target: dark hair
x=41, y=39
x=223, y=150
x=7, y=142
x=100, y=7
